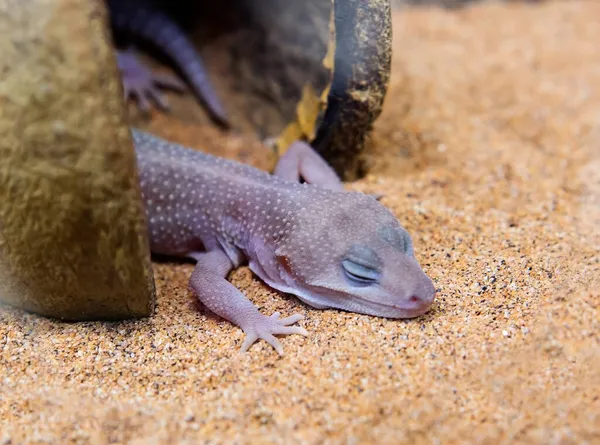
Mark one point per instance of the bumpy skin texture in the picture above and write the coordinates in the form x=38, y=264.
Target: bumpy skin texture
x=329, y=247
x=143, y=20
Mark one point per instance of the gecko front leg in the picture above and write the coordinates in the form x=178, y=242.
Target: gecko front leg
x=142, y=84
x=220, y=296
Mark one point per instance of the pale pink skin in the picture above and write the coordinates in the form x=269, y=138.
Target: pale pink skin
x=298, y=238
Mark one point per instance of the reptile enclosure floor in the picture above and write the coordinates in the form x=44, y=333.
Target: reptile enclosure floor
x=487, y=151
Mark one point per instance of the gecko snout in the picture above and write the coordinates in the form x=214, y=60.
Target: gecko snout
x=422, y=296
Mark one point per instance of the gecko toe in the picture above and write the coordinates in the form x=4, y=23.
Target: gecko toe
x=250, y=339
x=267, y=327
x=270, y=338
x=291, y=320
x=143, y=103
x=288, y=330
x=158, y=98
x=168, y=81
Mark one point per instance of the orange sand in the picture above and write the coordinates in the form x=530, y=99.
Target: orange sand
x=488, y=152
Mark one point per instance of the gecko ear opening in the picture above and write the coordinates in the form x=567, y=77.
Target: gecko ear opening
x=284, y=265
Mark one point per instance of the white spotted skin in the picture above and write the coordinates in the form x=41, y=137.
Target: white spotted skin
x=196, y=202
x=294, y=236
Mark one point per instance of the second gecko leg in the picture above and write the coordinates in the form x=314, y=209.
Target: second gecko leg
x=302, y=161
x=220, y=296
x=142, y=84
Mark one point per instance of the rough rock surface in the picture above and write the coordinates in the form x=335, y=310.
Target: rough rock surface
x=72, y=230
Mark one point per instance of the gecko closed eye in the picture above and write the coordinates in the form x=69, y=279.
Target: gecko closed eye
x=359, y=275
x=362, y=266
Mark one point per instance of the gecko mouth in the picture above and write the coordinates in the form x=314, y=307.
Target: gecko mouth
x=340, y=299
x=409, y=311
x=323, y=297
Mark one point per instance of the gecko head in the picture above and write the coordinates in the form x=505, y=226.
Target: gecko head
x=354, y=255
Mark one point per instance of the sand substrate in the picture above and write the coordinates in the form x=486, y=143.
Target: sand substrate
x=488, y=151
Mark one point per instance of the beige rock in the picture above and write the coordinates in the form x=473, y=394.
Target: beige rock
x=72, y=233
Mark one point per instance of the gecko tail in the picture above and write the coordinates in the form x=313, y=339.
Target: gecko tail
x=157, y=28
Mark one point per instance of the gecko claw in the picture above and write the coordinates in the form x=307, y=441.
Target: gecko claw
x=266, y=328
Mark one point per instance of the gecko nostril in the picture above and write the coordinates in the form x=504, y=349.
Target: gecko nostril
x=417, y=301
x=421, y=299
x=414, y=299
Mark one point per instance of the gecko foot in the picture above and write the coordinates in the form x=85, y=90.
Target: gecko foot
x=143, y=85
x=265, y=328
